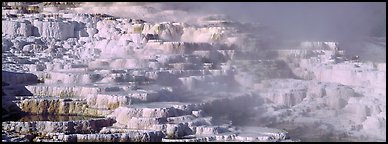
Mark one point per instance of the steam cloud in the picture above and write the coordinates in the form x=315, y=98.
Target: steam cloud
x=344, y=21
x=348, y=23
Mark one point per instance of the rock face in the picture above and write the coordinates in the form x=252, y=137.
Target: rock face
x=56, y=127
x=17, y=28
x=334, y=89
x=55, y=29
x=174, y=82
x=46, y=29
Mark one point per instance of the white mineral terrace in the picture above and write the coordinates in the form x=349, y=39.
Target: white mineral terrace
x=79, y=77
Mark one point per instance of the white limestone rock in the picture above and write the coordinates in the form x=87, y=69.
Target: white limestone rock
x=166, y=31
x=107, y=101
x=55, y=29
x=134, y=136
x=177, y=130
x=144, y=123
x=338, y=96
x=91, y=65
x=65, y=126
x=122, y=114
x=343, y=107
x=16, y=28
x=63, y=91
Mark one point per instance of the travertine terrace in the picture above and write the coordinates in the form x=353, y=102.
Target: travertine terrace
x=85, y=77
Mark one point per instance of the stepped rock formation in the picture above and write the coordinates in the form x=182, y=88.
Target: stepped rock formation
x=78, y=77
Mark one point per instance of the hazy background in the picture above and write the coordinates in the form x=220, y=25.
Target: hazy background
x=323, y=21
x=348, y=23
x=309, y=21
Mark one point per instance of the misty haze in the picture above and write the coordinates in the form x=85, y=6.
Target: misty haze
x=193, y=72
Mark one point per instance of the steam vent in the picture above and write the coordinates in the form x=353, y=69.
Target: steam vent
x=81, y=72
